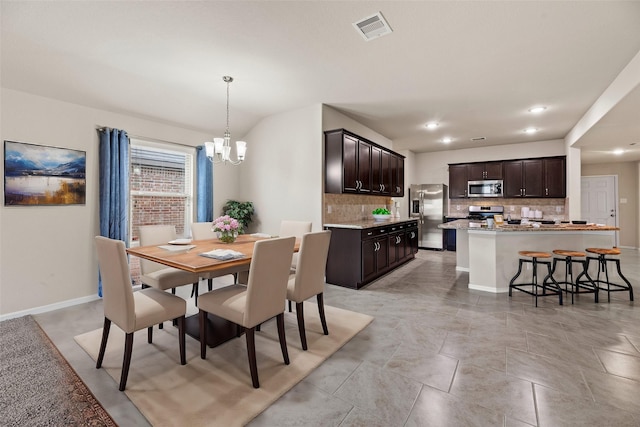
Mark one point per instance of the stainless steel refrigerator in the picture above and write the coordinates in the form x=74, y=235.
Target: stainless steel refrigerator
x=429, y=203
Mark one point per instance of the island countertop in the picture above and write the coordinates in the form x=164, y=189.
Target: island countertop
x=463, y=224
x=369, y=223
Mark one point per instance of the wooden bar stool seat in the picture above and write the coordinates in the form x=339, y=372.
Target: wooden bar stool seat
x=604, y=256
x=533, y=288
x=571, y=284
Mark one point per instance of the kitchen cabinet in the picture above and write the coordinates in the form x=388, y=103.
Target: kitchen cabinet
x=458, y=177
x=555, y=172
x=358, y=256
x=356, y=165
x=523, y=178
x=487, y=170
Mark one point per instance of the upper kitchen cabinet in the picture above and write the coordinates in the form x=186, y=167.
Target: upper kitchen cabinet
x=356, y=165
x=458, y=177
x=555, y=177
x=523, y=178
x=487, y=170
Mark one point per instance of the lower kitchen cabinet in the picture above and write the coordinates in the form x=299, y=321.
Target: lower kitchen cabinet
x=357, y=256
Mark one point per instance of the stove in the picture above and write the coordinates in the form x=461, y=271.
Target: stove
x=480, y=213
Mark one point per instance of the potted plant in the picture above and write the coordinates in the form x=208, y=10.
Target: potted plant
x=242, y=211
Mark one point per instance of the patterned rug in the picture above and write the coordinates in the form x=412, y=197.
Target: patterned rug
x=38, y=387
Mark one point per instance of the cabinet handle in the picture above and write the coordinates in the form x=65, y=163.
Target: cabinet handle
x=370, y=233
x=546, y=191
x=524, y=191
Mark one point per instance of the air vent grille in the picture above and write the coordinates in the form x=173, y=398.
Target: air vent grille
x=478, y=138
x=372, y=27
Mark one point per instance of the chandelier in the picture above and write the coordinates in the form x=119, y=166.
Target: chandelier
x=219, y=151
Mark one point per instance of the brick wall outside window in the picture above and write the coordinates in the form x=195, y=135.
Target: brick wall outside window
x=149, y=209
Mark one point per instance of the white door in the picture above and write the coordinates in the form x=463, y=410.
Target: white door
x=599, y=200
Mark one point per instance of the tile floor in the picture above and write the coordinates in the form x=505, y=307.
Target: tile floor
x=438, y=354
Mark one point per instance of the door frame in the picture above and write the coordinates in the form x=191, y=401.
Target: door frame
x=615, y=201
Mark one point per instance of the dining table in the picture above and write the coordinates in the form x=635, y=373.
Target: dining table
x=188, y=255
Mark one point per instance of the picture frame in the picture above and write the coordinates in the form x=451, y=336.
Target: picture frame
x=41, y=175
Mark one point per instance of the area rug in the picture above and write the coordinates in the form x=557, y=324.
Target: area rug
x=218, y=391
x=38, y=387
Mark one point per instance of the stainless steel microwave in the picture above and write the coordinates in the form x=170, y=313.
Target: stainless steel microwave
x=485, y=188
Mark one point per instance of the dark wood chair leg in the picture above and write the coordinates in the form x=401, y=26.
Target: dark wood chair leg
x=258, y=327
x=239, y=331
x=103, y=344
x=323, y=320
x=289, y=306
x=283, y=338
x=251, y=352
x=173, y=291
x=202, y=318
x=300, y=315
x=183, y=356
x=128, y=347
x=160, y=325
x=150, y=334
x=194, y=291
x=210, y=284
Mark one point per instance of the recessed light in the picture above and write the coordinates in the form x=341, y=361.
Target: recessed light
x=447, y=140
x=618, y=152
x=530, y=130
x=538, y=109
x=431, y=125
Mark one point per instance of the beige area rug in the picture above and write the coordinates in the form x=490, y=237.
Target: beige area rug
x=218, y=391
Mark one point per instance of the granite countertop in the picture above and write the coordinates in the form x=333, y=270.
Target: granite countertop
x=463, y=224
x=369, y=223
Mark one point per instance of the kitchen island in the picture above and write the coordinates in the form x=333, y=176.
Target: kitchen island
x=490, y=255
x=362, y=251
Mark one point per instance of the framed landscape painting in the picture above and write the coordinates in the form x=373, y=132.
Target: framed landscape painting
x=36, y=175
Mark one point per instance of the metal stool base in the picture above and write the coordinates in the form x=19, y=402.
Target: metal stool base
x=534, y=285
x=602, y=260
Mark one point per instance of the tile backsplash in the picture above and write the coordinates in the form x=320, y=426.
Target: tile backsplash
x=552, y=209
x=339, y=208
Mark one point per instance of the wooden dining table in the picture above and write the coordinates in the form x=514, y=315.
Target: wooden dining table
x=189, y=259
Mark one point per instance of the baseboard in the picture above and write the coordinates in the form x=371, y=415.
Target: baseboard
x=633, y=248
x=50, y=307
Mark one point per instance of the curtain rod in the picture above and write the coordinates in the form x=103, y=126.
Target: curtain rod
x=144, y=138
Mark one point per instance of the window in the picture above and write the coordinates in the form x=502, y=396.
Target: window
x=161, y=187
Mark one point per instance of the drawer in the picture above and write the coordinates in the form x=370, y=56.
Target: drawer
x=369, y=233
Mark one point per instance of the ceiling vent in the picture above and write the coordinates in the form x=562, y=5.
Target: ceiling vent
x=372, y=27
x=478, y=138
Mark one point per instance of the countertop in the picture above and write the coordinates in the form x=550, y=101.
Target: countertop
x=369, y=223
x=463, y=224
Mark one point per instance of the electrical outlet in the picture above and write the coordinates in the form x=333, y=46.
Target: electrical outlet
x=528, y=266
x=513, y=208
x=558, y=209
x=457, y=207
x=329, y=209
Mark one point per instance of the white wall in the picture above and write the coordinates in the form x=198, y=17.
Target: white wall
x=46, y=252
x=283, y=175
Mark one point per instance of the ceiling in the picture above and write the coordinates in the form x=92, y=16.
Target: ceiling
x=475, y=67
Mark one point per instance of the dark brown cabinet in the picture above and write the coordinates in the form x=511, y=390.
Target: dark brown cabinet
x=359, y=256
x=523, y=178
x=458, y=177
x=539, y=178
x=555, y=171
x=488, y=170
x=356, y=165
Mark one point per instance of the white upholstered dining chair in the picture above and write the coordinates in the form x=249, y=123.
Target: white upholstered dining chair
x=296, y=229
x=262, y=299
x=202, y=231
x=160, y=276
x=132, y=311
x=309, y=278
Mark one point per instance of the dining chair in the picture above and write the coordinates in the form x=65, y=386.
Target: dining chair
x=202, y=231
x=262, y=299
x=160, y=276
x=132, y=311
x=297, y=229
x=309, y=278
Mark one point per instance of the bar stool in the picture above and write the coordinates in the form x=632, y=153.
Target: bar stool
x=574, y=286
x=602, y=260
x=534, y=255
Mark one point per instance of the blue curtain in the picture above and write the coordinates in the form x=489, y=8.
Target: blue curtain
x=114, y=186
x=204, y=184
